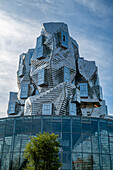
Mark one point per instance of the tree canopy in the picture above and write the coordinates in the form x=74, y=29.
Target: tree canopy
x=42, y=152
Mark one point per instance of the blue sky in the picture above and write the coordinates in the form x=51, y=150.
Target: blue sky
x=90, y=23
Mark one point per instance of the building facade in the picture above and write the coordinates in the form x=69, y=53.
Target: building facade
x=86, y=142
x=54, y=80
x=59, y=92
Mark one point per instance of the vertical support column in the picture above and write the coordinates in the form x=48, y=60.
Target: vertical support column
x=99, y=143
x=3, y=145
x=109, y=147
x=41, y=124
x=71, y=143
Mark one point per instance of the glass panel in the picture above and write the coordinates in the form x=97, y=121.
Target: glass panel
x=24, y=91
x=66, y=141
x=15, y=161
x=72, y=108
x=36, y=125
x=25, y=140
x=86, y=143
x=39, y=41
x=7, y=144
x=87, y=161
x=111, y=144
x=2, y=121
x=11, y=108
x=66, y=74
x=19, y=126
x=83, y=90
x=110, y=128
x=1, y=145
x=104, y=144
x=41, y=76
x=56, y=126
x=64, y=39
x=66, y=124
x=47, y=108
x=9, y=126
x=5, y=161
x=77, y=161
x=95, y=159
x=21, y=159
x=66, y=161
x=106, y=162
x=94, y=126
x=76, y=125
x=17, y=143
x=76, y=143
x=2, y=128
x=103, y=127
x=86, y=128
x=95, y=143
x=112, y=161
x=27, y=127
x=47, y=125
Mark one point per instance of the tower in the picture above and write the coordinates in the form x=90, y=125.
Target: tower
x=54, y=80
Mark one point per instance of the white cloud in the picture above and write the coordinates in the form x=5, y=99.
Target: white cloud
x=97, y=6
x=15, y=37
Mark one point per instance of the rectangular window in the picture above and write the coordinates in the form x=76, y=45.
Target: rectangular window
x=76, y=97
x=36, y=92
x=83, y=90
x=13, y=96
x=47, y=109
x=41, y=76
x=66, y=74
x=24, y=91
x=40, y=47
x=106, y=110
x=72, y=108
x=100, y=91
x=21, y=71
x=64, y=39
x=11, y=109
x=39, y=41
x=40, y=52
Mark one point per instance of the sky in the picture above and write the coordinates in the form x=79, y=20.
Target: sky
x=90, y=23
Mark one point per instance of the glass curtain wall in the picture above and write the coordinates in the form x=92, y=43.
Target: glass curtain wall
x=86, y=143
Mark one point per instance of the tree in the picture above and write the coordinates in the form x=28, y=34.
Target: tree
x=42, y=152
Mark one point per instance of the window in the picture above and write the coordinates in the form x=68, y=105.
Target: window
x=21, y=71
x=66, y=74
x=64, y=39
x=13, y=96
x=106, y=110
x=40, y=47
x=72, y=108
x=41, y=76
x=76, y=97
x=100, y=92
x=24, y=91
x=83, y=90
x=11, y=109
x=47, y=109
x=40, y=52
x=36, y=92
x=39, y=41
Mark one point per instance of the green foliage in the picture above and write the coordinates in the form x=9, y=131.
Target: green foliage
x=42, y=152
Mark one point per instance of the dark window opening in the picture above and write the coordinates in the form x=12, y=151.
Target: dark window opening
x=63, y=37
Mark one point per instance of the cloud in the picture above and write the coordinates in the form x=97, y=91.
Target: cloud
x=21, y=23
x=15, y=37
x=98, y=7
x=100, y=52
